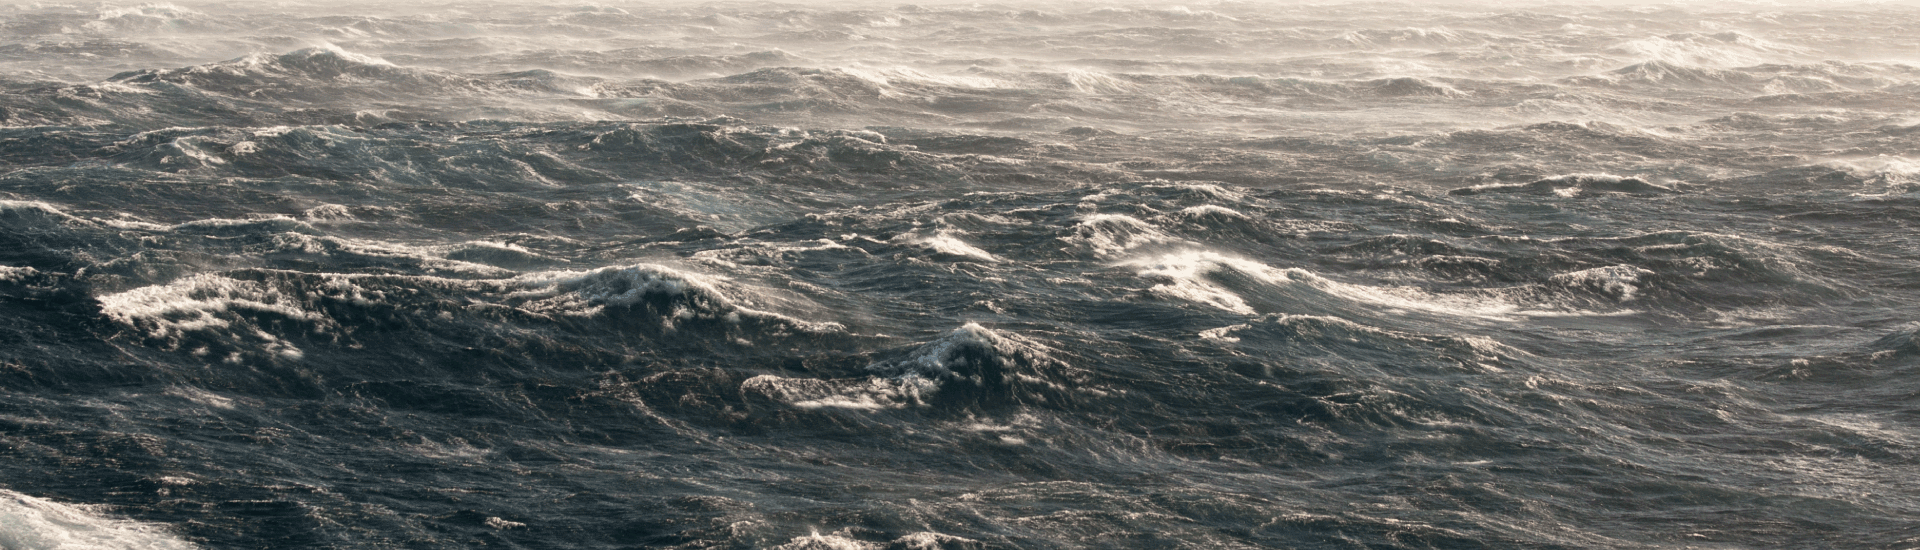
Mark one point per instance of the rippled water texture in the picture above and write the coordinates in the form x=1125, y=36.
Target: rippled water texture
x=749, y=275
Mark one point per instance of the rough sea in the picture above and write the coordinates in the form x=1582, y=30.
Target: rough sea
x=293, y=275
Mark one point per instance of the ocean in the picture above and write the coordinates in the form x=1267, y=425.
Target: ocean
x=853, y=275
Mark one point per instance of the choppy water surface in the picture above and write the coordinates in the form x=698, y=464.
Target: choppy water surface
x=750, y=275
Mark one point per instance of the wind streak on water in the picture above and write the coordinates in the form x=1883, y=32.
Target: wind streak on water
x=958, y=276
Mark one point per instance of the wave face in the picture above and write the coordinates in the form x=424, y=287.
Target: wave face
x=954, y=275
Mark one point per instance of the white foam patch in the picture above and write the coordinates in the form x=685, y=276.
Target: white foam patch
x=271, y=64
x=895, y=385
x=1726, y=49
x=271, y=224
x=1195, y=276
x=474, y=252
x=1210, y=210
x=760, y=253
x=201, y=397
x=1096, y=83
x=11, y=274
x=1184, y=276
x=207, y=303
x=454, y=448
x=192, y=303
x=928, y=540
x=1485, y=351
x=196, y=148
x=1227, y=333
x=693, y=295
x=924, y=540
x=1111, y=235
x=1207, y=190
x=936, y=359
x=1619, y=281
x=29, y=523
x=149, y=9
x=870, y=394
x=904, y=383
x=15, y=208
x=1481, y=306
x=1888, y=170
x=817, y=541
x=275, y=223
x=1571, y=185
x=589, y=292
x=326, y=212
x=944, y=242
x=498, y=523
x=891, y=77
x=431, y=258
x=1207, y=216
x=1224, y=334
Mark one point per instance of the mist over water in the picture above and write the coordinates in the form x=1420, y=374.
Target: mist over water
x=869, y=275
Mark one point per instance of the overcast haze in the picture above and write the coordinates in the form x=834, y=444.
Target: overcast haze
x=953, y=275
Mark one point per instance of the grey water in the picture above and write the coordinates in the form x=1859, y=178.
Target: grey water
x=857, y=275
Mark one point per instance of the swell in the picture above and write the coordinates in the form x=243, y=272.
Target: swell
x=957, y=276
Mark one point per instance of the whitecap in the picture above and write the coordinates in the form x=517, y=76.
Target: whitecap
x=208, y=304
x=30, y=523
x=684, y=295
x=1619, y=281
x=1111, y=235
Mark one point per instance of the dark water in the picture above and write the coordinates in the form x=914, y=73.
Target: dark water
x=748, y=275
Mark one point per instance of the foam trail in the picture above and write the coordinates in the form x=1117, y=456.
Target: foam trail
x=30, y=523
